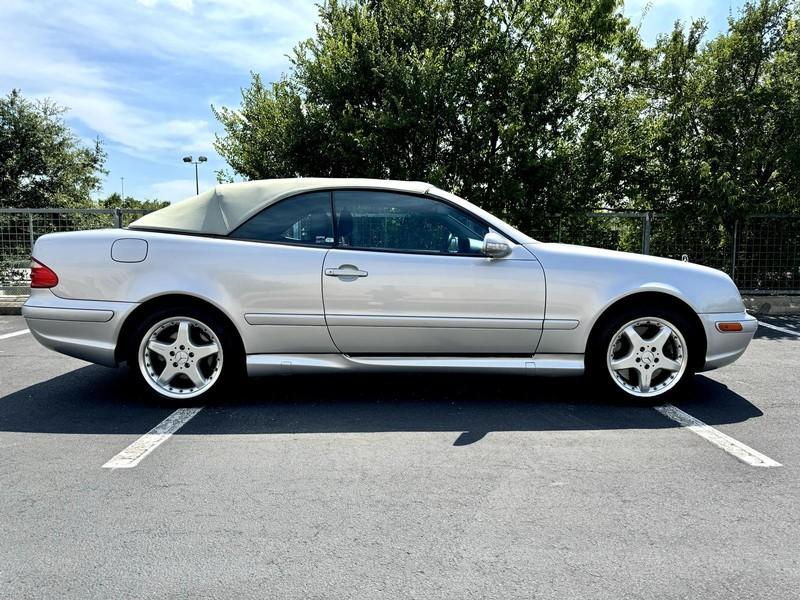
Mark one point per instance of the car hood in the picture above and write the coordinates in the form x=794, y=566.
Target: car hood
x=601, y=255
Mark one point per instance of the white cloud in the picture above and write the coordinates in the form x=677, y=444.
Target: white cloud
x=128, y=71
x=209, y=34
x=136, y=131
x=184, y=5
x=175, y=190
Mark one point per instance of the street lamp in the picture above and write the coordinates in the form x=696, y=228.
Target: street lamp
x=200, y=159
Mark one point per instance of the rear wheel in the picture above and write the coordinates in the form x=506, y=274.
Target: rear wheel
x=182, y=354
x=643, y=354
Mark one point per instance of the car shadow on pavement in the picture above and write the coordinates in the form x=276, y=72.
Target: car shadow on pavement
x=97, y=400
x=787, y=323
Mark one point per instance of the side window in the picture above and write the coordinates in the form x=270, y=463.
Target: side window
x=401, y=222
x=304, y=219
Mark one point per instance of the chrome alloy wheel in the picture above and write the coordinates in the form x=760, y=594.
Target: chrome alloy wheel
x=180, y=357
x=647, y=356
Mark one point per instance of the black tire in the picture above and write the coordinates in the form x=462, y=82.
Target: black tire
x=599, y=373
x=231, y=369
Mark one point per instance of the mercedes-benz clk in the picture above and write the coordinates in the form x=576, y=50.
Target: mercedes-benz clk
x=314, y=275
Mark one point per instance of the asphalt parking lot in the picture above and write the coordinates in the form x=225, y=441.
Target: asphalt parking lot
x=399, y=487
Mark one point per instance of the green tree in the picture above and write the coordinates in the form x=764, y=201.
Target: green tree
x=704, y=129
x=477, y=97
x=115, y=200
x=532, y=108
x=42, y=162
x=746, y=129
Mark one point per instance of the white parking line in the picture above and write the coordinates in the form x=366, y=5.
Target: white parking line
x=733, y=447
x=781, y=329
x=133, y=454
x=5, y=336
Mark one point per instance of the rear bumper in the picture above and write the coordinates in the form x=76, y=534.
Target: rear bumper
x=724, y=348
x=85, y=329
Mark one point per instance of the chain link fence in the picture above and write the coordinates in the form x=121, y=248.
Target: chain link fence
x=761, y=253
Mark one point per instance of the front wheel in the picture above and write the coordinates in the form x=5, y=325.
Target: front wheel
x=183, y=354
x=643, y=355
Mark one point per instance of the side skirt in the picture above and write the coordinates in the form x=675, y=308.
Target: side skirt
x=291, y=364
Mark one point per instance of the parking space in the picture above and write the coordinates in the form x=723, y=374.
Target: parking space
x=10, y=325
x=402, y=486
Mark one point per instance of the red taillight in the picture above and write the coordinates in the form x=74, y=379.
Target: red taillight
x=42, y=276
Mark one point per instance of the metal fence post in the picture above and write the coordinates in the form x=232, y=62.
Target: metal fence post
x=648, y=216
x=118, y=218
x=733, y=253
x=30, y=230
x=559, y=228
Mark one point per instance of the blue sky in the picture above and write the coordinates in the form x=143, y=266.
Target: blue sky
x=142, y=74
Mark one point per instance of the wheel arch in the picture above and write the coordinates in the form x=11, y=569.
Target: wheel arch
x=147, y=307
x=697, y=335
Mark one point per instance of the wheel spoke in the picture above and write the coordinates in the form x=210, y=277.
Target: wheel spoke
x=668, y=364
x=625, y=362
x=645, y=377
x=159, y=348
x=633, y=336
x=194, y=374
x=183, y=334
x=661, y=338
x=204, y=351
x=167, y=374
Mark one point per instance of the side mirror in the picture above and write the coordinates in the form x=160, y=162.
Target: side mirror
x=496, y=246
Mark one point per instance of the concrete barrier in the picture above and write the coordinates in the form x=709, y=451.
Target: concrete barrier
x=12, y=305
x=772, y=305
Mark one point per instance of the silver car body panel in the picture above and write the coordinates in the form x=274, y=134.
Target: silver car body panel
x=423, y=304
x=294, y=364
x=530, y=311
x=724, y=348
x=84, y=329
x=582, y=283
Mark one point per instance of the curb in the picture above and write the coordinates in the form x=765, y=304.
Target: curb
x=12, y=305
x=772, y=305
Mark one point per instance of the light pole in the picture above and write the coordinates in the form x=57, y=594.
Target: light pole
x=122, y=183
x=200, y=159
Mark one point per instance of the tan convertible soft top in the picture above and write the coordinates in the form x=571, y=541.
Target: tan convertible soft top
x=224, y=207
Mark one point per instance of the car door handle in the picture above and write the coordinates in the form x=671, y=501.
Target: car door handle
x=343, y=272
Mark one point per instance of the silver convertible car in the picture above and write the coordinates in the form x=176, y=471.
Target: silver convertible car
x=294, y=276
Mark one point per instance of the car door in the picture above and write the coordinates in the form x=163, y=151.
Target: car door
x=272, y=269
x=407, y=276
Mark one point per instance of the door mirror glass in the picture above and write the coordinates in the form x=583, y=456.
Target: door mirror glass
x=495, y=245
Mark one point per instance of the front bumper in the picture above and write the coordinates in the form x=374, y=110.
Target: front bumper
x=724, y=348
x=85, y=329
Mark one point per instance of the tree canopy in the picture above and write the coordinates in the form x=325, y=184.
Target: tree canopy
x=115, y=200
x=531, y=108
x=42, y=162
